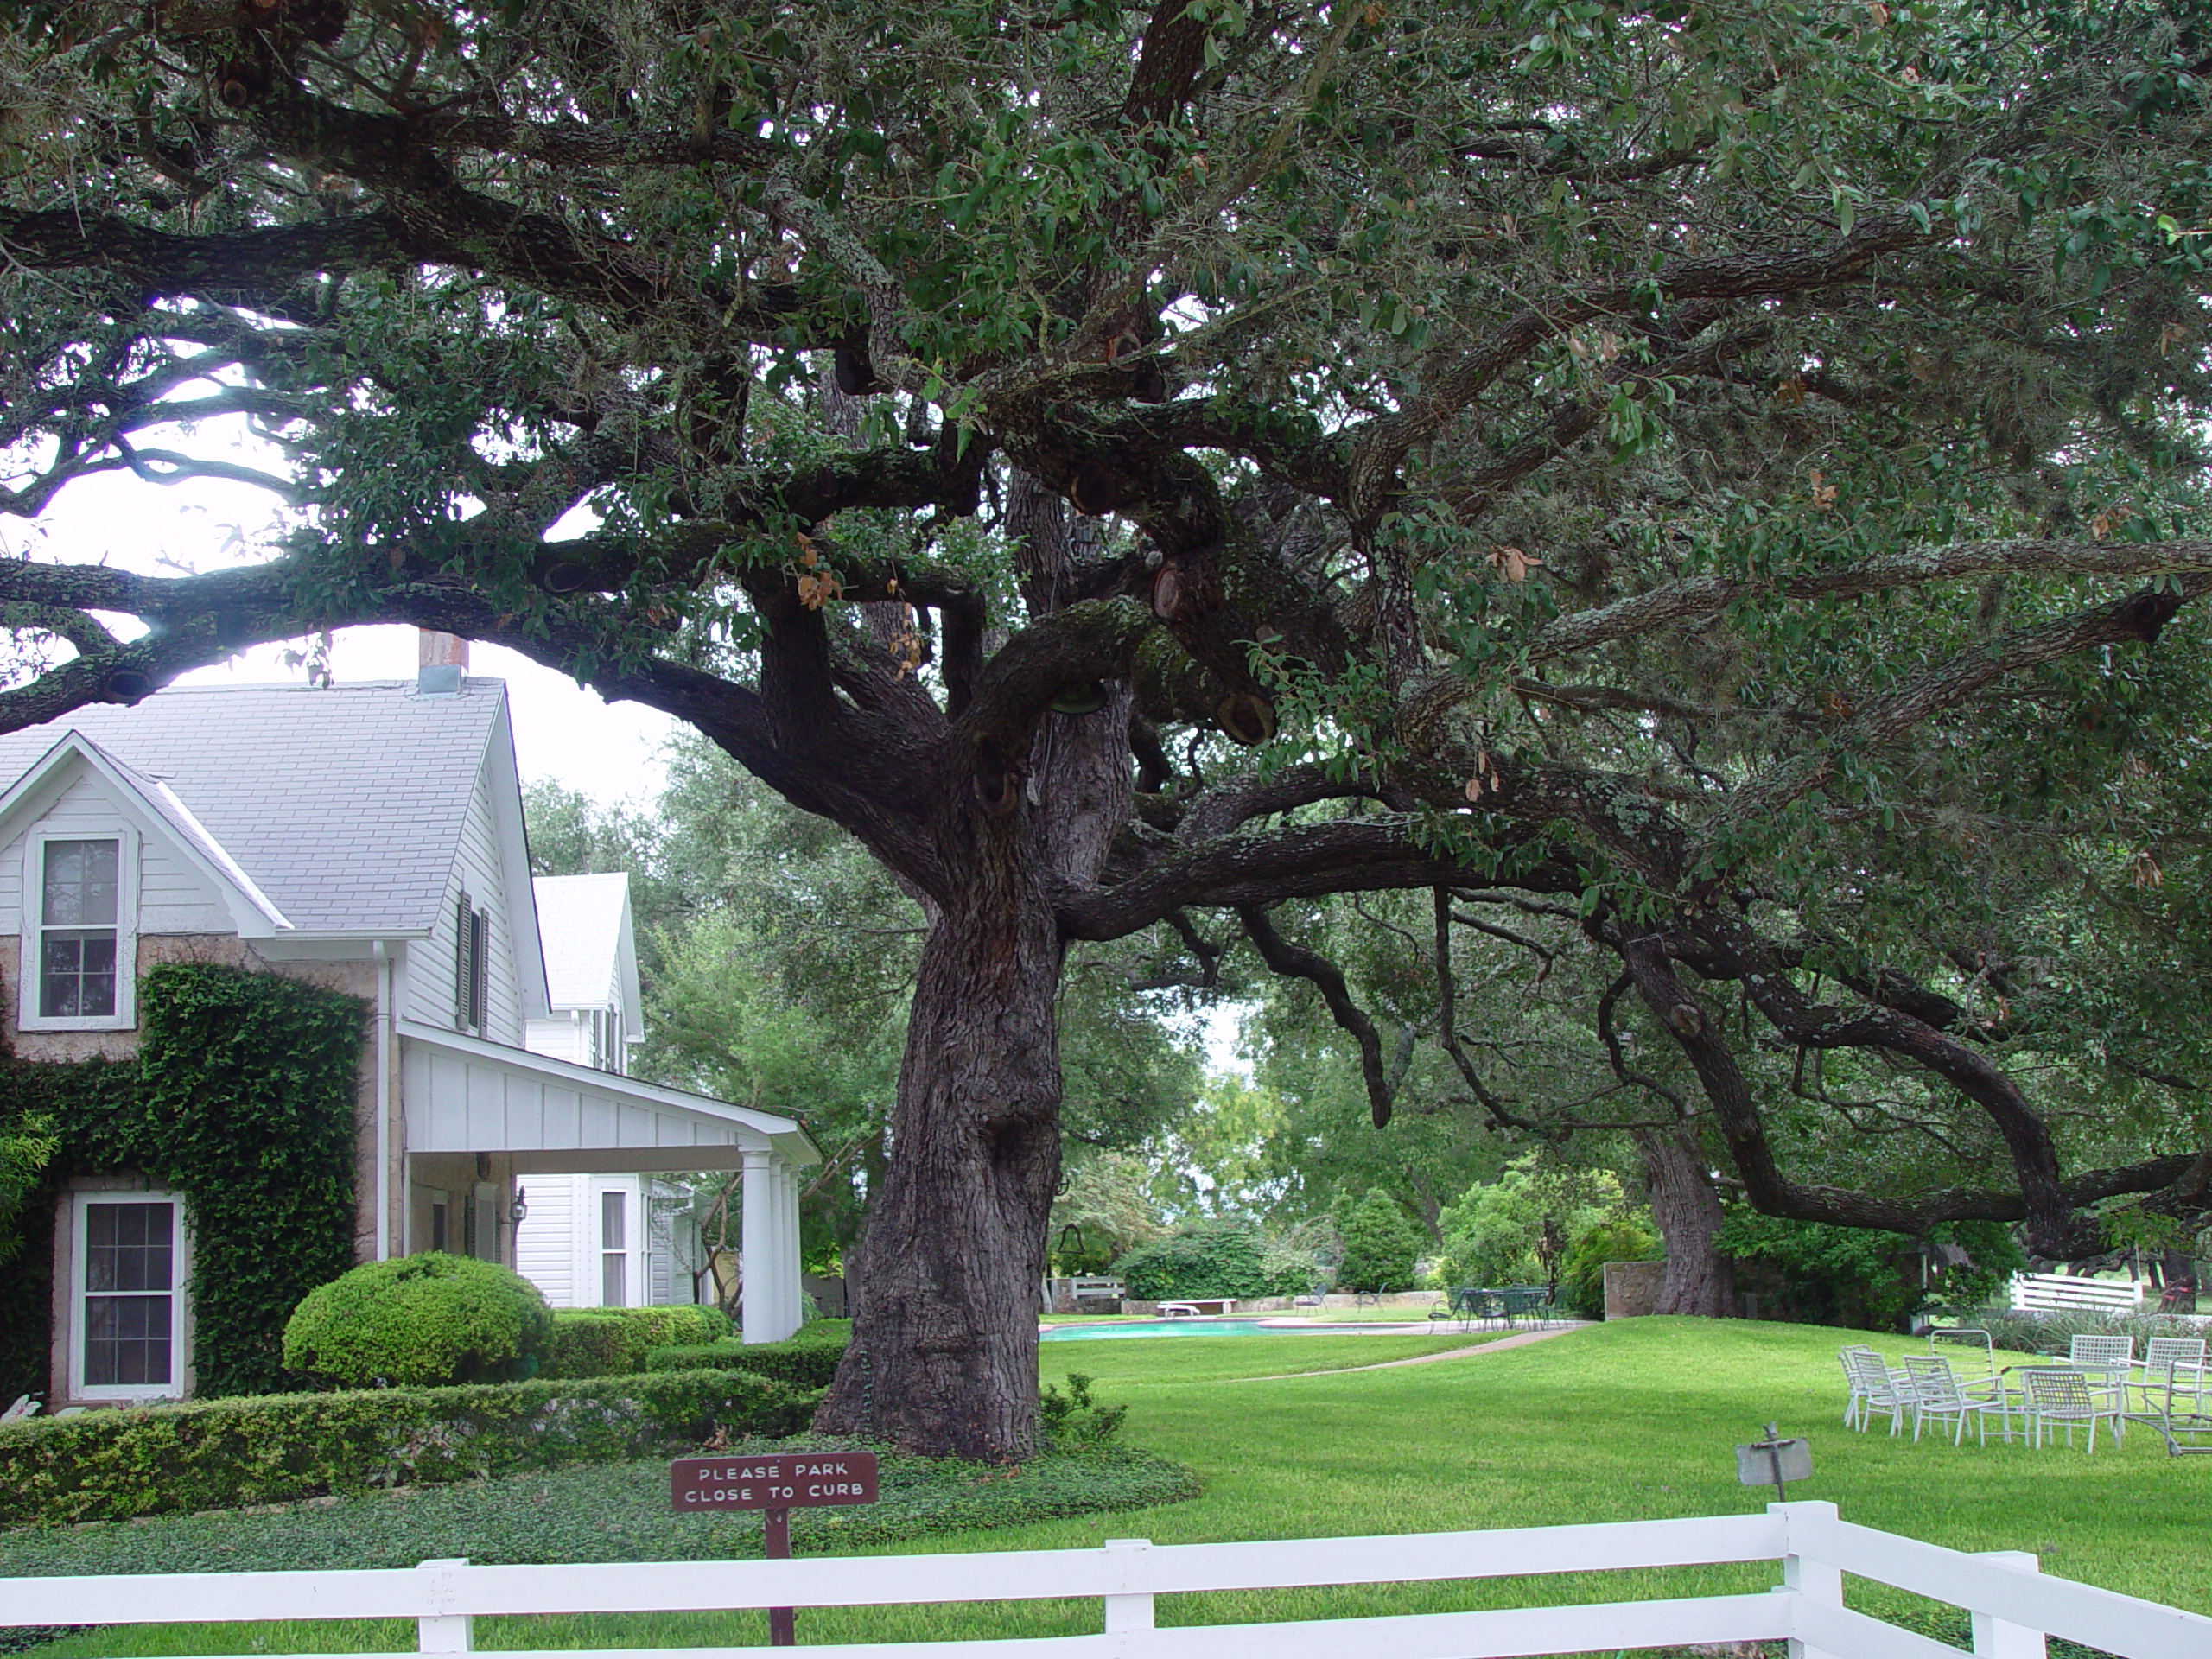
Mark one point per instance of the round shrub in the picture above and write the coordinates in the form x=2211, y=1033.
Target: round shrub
x=420, y=1321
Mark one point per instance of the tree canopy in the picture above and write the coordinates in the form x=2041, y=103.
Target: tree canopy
x=1728, y=473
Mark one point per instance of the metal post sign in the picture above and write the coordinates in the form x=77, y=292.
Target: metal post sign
x=803, y=1480
x=1774, y=1460
x=777, y=1483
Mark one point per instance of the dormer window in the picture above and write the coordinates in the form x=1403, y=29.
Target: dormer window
x=79, y=948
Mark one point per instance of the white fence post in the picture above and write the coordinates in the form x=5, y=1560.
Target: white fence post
x=1993, y=1637
x=1132, y=1612
x=443, y=1632
x=1806, y=1579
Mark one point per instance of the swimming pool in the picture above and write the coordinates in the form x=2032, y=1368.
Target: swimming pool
x=1157, y=1328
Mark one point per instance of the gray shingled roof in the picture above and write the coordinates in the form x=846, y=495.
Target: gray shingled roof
x=345, y=803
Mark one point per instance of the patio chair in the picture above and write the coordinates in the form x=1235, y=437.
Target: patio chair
x=2055, y=1396
x=1854, y=1381
x=2187, y=1434
x=1875, y=1387
x=1990, y=1384
x=1526, y=1302
x=1937, y=1393
x=2173, y=1366
x=2105, y=1361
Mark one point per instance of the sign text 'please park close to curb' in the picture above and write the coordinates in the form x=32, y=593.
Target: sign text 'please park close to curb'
x=781, y=1481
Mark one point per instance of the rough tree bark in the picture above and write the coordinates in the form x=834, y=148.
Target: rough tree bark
x=943, y=1286
x=1698, y=1278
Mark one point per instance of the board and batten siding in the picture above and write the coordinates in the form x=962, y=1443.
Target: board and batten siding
x=173, y=897
x=477, y=870
x=459, y=1103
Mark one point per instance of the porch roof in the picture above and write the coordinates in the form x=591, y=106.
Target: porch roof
x=462, y=1094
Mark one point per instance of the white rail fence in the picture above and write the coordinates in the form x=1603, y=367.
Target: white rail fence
x=2013, y=1605
x=2046, y=1291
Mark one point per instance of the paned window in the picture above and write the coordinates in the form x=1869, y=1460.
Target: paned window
x=614, y=1248
x=129, y=1277
x=79, y=912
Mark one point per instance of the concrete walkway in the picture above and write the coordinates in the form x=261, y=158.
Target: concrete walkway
x=1496, y=1345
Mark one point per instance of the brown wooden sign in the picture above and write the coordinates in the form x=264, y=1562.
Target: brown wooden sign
x=791, y=1480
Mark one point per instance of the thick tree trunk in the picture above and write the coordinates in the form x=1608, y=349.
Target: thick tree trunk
x=2179, y=1269
x=1698, y=1278
x=943, y=1287
x=943, y=1290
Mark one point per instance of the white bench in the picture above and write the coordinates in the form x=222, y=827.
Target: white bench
x=2049, y=1291
x=1195, y=1307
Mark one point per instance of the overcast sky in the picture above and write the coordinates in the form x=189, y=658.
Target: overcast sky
x=610, y=751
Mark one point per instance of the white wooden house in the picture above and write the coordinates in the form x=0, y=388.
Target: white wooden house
x=368, y=838
x=604, y=1239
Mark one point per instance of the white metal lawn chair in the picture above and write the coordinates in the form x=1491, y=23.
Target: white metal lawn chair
x=1990, y=1383
x=1937, y=1393
x=2106, y=1363
x=2057, y=1396
x=2172, y=1372
x=1875, y=1387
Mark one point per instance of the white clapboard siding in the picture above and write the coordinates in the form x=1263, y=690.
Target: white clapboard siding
x=173, y=896
x=560, y=1037
x=431, y=971
x=543, y=1247
x=2013, y=1605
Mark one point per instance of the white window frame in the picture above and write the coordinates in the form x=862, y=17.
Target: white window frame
x=82, y=1203
x=627, y=1190
x=125, y=1017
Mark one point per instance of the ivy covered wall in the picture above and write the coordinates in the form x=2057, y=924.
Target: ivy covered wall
x=241, y=1098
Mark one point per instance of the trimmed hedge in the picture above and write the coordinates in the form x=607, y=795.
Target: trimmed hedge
x=1212, y=1258
x=614, y=1341
x=274, y=1448
x=808, y=1360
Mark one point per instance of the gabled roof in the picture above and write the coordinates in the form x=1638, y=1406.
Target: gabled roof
x=591, y=950
x=343, y=805
x=159, y=813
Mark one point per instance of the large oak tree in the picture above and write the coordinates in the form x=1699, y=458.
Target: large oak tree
x=1137, y=465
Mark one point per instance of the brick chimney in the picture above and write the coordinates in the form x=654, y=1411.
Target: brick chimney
x=444, y=659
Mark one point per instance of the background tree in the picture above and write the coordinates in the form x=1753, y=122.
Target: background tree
x=1646, y=462
x=1380, y=1246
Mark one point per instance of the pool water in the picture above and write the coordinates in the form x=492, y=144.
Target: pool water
x=1159, y=1328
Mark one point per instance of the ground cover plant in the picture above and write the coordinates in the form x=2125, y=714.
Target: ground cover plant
x=1625, y=1422
x=608, y=1512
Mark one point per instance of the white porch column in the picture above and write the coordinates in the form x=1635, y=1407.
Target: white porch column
x=756, y=1234
x=793, y=1291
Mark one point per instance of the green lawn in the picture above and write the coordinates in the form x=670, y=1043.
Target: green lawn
x=1617, y=1422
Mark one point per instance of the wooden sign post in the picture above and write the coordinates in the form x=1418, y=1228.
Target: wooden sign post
x=776, y=1483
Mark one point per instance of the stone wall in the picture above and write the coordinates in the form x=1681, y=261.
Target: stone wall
x=1632, y=1288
